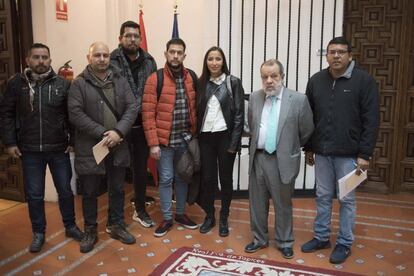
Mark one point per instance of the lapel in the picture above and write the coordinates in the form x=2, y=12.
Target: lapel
x=284, y=111
x=258, y=112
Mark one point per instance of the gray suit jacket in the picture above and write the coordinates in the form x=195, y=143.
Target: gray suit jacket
x=294, y=129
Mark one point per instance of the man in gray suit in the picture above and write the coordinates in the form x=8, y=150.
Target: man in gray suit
x=280, y=122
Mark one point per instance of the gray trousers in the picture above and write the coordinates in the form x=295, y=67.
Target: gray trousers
x=265, y=183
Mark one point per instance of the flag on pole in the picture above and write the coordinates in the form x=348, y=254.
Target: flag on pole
x=142, y=31
x=175, y=27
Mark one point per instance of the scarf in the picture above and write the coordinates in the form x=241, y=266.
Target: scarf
x=34, y=79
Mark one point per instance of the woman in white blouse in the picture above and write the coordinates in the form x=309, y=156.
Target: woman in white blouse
x=220, y=118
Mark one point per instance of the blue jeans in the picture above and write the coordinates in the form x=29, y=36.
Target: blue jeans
x=34, y=171
x=167, y=176
x=328, y=170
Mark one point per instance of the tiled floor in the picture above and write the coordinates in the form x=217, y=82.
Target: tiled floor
x=384, y=240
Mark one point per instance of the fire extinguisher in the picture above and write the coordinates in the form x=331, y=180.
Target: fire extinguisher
x=66, y=71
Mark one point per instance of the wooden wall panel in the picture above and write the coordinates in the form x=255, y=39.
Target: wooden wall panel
x=405, y=166
x=15, y=39
x=379, y=31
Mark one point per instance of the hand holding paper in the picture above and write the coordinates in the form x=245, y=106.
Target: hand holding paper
x=100, y=150
x=349, y=182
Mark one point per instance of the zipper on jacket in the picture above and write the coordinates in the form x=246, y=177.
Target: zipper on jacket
x=333, y=85
x=40, y=118
x=50, y=91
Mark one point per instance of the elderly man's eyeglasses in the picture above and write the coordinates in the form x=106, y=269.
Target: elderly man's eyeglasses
x=340, y=53
x=132, y=36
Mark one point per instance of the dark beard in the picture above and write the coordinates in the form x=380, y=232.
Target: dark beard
x=130, y=51
x=175, y=68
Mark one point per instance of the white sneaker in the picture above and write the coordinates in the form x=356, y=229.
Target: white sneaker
x=108, y=229
x=143, y=218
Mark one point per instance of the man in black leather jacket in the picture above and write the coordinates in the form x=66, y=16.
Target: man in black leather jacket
x=35, y=128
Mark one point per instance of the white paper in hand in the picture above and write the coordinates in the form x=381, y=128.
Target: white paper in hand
x=100, y=151
x=349, y=182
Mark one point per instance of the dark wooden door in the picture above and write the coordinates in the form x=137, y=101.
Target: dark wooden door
x=381, y=32
x=15, y=39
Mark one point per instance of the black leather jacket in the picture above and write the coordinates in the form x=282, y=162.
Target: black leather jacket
x=46, y=127
x=232, y=106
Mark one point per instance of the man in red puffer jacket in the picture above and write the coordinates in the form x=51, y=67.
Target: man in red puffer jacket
x=169, y=121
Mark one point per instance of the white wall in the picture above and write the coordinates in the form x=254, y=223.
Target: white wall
x=94, y=20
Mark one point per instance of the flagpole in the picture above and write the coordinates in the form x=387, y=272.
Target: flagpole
x=143, y=44
x=175, y=33
x=175, y=6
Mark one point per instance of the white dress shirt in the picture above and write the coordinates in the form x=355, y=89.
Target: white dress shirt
x=214, y=119
x=265, y=116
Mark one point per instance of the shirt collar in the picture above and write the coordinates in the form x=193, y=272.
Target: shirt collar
x=219, y=80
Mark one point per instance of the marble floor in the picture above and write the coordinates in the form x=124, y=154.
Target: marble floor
x=384, y=243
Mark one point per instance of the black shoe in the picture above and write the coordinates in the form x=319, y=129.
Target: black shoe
x=165, y=226
x=74, y=233
x=143, y=218
x=37, y=242
x=119, y=232
x=340, y=254
x=89, y=239
x=287, y=252
x=186, y=221
x=253, y=247
x=223, y=227
x=208, y=224
x=315, y=244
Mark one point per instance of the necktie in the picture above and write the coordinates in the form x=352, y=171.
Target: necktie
x=271, y=130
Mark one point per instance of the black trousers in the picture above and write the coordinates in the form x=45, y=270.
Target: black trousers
x=116, y=196
x=139, y=151
x=216, y=162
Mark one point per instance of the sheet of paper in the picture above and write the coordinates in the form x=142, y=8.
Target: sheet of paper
x=100, y=151
x=349, y=182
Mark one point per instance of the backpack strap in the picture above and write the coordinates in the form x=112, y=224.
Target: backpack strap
x=228, y=85
x=194, y=78
x=160, y=82
x=107, y=102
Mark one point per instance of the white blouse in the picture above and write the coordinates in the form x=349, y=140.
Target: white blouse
x=214, y=119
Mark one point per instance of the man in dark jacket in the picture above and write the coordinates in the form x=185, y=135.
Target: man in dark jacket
x=102, y=108
x=136, y=65
x=345, y=104
x=35, y=129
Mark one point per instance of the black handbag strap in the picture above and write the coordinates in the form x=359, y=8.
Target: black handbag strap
x=105, y=99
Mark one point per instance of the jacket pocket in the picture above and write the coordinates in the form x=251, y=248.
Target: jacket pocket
x=56, y=96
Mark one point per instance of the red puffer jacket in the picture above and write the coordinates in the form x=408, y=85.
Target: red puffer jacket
x=157, y=116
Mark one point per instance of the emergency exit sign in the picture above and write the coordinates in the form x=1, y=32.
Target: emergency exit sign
x=62, y=10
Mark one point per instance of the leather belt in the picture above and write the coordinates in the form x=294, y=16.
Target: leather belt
x=265, y=152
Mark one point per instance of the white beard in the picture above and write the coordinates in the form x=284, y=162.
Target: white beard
x=275, y=91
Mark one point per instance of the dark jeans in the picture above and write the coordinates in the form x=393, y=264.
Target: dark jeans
x=34, y=171
x=139, y=151
x=213, y=149
x=90, y=189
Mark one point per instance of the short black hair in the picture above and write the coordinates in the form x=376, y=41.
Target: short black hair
x=340, y=40
x=37, y=46
x=128, y=24
x=176, y=41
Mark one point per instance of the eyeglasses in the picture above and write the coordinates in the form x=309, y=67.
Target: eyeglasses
x=340, y=53
x=130, y=36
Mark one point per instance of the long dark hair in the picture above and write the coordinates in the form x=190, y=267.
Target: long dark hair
x=205, y=75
